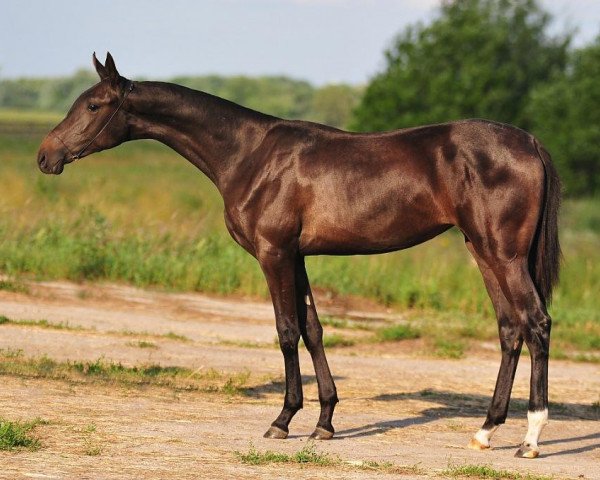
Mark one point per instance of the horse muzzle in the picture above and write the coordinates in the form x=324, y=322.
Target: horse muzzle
x=52, y=156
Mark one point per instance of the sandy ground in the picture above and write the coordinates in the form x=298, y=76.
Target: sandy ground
x=395, y=406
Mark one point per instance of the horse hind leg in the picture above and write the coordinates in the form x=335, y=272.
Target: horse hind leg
x=511, y=342
x=534, y=325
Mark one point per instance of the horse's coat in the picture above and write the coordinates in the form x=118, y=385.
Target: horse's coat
x=293, y=189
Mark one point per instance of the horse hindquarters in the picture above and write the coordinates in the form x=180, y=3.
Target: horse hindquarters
x=519, y=262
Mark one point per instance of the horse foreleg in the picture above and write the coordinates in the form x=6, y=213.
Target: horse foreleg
x=312, y=333
x=279, y=269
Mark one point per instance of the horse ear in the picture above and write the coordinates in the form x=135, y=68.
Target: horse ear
x=111, y=69
x=100, y=69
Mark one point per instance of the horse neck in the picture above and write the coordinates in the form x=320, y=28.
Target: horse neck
x=213, y=134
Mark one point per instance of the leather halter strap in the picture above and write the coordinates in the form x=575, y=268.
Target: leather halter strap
x=106, y=124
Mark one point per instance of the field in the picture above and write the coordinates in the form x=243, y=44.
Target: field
x=105, y=272
x=142, y=215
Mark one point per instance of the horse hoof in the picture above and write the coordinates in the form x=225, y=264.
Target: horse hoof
x=526, y=451
x=321, y=434
x=475, y=444
x=276, y=432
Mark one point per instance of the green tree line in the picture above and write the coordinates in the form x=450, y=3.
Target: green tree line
x=281, y=96
x=495, y=59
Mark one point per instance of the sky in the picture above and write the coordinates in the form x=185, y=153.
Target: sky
x=323, y=41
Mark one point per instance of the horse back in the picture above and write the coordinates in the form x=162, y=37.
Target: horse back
x=339, y=192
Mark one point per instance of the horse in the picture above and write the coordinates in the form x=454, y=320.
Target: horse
x=296, y=188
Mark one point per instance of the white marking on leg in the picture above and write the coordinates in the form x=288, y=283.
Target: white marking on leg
x=483, y=436
x=307, y=299
x=536, y=422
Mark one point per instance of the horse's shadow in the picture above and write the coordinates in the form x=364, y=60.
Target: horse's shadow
x=278, y=386
x=454, y=405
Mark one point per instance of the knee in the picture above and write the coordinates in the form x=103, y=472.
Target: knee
x=510, y=338
x=288, y=339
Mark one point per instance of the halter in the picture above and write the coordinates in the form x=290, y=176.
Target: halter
x=78, y=155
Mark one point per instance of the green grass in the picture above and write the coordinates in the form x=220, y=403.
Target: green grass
x=17, y=434
x=449, y=348
x=12, y=286
x=139, y=214
x=337, y=340
x=14, y=116
x=4, y=320
x=142, y=344
x=40, y=324
x=397, y=332
x=176, y=336
x=487, y=472
x=13, y=362
x=307, y=455
x=310, y=456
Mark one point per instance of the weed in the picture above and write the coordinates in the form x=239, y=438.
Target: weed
x=41, y=324
x=244, y=344
x=486, y=472
x=307, y=455
x=16, y=434
x=397, y=332
x=336, y=340
x=448, y=348
x=235, y=384
x=177, y=378
x=92, y=448
x=176, y=336
x=335, y=322
x=142, y=344
x=89, y=428
x=12, y=286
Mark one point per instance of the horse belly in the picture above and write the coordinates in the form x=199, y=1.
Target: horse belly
x=336, y=228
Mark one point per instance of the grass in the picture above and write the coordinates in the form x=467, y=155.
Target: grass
x=116, y=217
x=397, y=332
x=310, y=456
x=40, y=324
x=487, y=472
x=449, y=348
x=13, y=362
x=4, y=320
x=337, y=340
x=142, y=344
x=12, y=286
x=307, y=455
x=176, y=337
x=17, y=434
x=9, y=115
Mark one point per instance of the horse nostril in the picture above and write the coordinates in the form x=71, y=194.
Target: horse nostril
x=43, y=162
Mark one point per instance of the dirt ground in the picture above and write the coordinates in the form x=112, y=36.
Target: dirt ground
x=395, y=406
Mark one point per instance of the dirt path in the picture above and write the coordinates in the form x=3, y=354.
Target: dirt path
x=394, y=408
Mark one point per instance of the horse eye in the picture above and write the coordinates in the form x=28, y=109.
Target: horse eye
x=92, y=107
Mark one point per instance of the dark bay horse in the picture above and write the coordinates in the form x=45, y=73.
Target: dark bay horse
x=294, y=188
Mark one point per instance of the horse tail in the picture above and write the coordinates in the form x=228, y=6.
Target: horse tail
x=545, y=254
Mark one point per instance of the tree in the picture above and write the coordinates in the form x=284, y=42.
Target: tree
x=333, y=104
x=479, y=58
x=566, y=116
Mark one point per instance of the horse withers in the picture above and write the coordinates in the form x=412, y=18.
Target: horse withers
x=295, y=188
